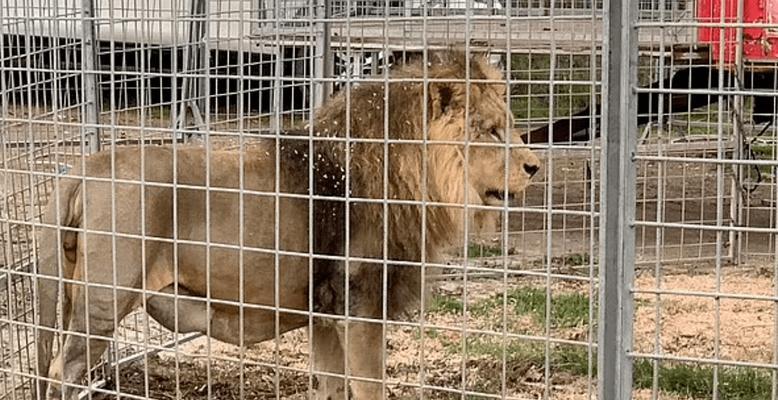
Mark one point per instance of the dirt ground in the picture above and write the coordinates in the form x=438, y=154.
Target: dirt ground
x=687, y=329
x=687, y=324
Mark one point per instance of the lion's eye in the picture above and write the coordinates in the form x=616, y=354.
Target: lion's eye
x=497, y=133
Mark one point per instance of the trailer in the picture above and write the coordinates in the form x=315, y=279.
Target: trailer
x=221, y=48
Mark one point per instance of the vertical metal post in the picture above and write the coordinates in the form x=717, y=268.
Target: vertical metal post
x=196, y=59
x=374, y=64
x=738, y=133
x=275, y=99
x=203, y=51
x=89, y=63
x=324, y=65
x=617, y=208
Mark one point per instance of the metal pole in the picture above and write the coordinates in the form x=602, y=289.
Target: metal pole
x=89, y=63
x=617, y=230
x=193, y=90
x=736, y=205
x=324, y=66
x=203, y=63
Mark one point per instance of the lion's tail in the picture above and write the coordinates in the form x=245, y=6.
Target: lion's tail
x=64, y=212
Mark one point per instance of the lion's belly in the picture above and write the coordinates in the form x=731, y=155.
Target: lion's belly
x=259, y=267
x=258, y=280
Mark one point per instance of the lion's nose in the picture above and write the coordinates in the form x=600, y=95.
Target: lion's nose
x=531, y=169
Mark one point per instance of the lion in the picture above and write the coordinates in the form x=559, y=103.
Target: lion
x=191, y=234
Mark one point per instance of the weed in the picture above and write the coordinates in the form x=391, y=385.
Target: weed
x=576, y=259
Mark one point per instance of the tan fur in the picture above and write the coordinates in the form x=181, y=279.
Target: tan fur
x=151, y=263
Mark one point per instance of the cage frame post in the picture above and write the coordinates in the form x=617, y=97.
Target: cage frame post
x=739, y=135
x=617, y=204
x=324, y=66
x=89, y=61
x=196, y=58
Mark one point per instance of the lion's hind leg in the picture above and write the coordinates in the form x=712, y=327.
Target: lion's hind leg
x=99, y=299
x=93, y=321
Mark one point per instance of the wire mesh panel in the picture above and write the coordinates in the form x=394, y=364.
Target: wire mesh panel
x=703, y=296
x=298, y=199
x=267, y=236
x=39, y=135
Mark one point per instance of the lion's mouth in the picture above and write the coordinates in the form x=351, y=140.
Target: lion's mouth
x=498, y=196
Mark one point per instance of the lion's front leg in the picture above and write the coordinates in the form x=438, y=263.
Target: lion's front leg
x=364, y=351
x=328, y=359
x=363, y=342
x=355, y=346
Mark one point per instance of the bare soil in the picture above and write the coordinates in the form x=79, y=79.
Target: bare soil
x=734, y=329
x=688, y=329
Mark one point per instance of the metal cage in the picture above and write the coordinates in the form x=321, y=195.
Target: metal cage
x=640, y=263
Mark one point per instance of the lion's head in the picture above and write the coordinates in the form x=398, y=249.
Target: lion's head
x=471, y=154
x=498, y=163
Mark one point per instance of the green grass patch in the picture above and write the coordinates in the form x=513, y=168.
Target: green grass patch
x=521, y=354
x=446, y=305
x=534, y=100
x=763, y=151
x=567, y=309
x=478, y=250
x=695, y=381
x=735, y=383
x=572, y=309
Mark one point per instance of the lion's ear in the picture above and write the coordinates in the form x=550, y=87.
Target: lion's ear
x=437, y=57
x=444, y=97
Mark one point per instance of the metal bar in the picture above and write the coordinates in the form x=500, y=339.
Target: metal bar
x=324, y=66
x=736, y=204
x=193, y=90
x=90, y=62
x=617, y=231
x=177, y=341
